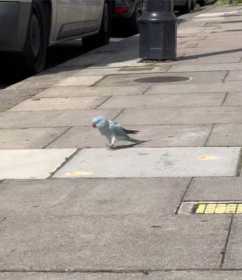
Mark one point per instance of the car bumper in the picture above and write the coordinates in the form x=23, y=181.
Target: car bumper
x=14, y=18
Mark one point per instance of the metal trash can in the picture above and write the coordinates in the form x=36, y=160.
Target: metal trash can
x=158, y=30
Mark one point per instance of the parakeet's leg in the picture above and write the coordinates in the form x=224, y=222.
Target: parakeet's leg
x=113, y=140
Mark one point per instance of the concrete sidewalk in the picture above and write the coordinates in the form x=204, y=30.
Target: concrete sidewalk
x=71, y=209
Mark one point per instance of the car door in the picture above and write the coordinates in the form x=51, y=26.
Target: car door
x=70, y=18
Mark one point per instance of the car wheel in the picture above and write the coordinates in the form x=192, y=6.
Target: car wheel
x=35, y=50
x=103, y=37
x=133, y=21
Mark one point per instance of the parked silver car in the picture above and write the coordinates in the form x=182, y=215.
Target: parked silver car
x=28, y=27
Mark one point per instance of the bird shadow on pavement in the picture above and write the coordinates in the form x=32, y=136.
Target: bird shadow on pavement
x=120, y=147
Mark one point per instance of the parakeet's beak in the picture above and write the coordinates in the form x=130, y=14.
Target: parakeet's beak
x=94, y=125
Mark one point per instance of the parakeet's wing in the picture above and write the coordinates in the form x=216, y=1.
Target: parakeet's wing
x=130, y=131
x=118, y=131
x=119, y=128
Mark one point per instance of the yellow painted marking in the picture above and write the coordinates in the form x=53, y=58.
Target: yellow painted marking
x=210, y=209
x=220, y=208
x=78, y=173
x=207, y=157
x=200, y=209
x=231, y=208
x=239, y=209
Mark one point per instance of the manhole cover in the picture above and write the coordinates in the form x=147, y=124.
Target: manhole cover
x=211, y=207
x=159, y=79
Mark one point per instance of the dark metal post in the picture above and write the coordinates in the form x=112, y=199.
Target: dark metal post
x=158, y=30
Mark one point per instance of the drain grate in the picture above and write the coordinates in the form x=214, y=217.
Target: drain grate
x=159, y=79
x=218, y=208
x=211, y=207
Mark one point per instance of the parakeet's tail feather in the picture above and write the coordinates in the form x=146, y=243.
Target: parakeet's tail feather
x=130, y=131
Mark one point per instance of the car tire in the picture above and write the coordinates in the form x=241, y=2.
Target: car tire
x=103, y=36
x=35, y=50
x=132, y=22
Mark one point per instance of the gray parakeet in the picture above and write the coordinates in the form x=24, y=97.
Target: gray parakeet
x=113, y=131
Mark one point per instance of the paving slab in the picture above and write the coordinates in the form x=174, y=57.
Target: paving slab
x=52, y=118
x=44, y=80
x=29, y=138
x=49, y=104
x=220, y=46
x=219, y=14
x=73, y=276
x=182, y=115
x=89, y=197
x=209, y=58
x=141, y=243
x=210, y=51
x=103, y=71
x=79, y=81
x=234, y=76
x=75, y=91
x=233, y=257
x=176, y=100
x=233, y=99
x=152, y=162
x=227, y=26
x=80, y=137
x=229, y=135
x=158, y=136
x=31, y=164
x=185, y=78
x=222, y=58
x=215, y=189
x=207, y=67
x=170, y=275
x=195, y=88
x=10, y=98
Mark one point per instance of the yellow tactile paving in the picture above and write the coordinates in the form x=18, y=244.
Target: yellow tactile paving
x=218, y=208
x=200, y=208
x=210, y=209
x=231, y=208
x=239, y=209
